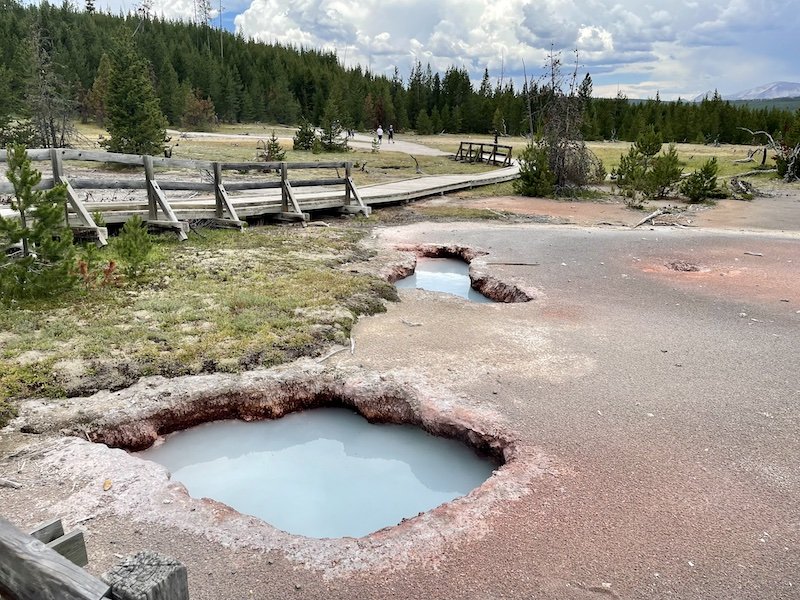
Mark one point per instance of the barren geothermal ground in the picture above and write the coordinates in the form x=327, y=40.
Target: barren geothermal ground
x=646, y=401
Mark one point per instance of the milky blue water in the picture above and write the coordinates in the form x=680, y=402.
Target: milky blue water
x=321, y=473
x=447, y=275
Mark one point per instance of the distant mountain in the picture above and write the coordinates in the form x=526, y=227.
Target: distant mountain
x=769, y=91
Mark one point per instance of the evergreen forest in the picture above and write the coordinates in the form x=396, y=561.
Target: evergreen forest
x=201, y=76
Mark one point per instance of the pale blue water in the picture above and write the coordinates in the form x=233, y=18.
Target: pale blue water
x=321, y=473
x=447, y=275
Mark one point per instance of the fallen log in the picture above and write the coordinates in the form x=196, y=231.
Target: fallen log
x=650, y=217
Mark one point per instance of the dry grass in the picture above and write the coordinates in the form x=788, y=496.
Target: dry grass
x=225, y=301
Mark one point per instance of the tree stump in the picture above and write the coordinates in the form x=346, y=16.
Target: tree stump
x=148, y=576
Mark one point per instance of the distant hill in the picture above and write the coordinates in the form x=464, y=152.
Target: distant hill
x=768, y=91
x=787, y=104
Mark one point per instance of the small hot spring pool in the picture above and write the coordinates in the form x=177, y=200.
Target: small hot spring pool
x=321, y=473
x=447, y=275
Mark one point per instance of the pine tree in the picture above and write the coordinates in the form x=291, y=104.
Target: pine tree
x=424, y=125
x=99, y=92
x=274, y=152
x=333, y=138
x=135, y=122
x=44, y=264
x=305, y=136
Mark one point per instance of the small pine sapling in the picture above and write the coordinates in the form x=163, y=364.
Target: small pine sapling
x=44, y=264
x=535, y=176
x=133, y=245
x=305, y=136
x=274, y=151
x=702, y=184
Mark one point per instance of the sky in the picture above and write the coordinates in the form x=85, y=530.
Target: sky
x=678, y=48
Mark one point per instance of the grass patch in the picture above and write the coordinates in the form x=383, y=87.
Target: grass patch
x=225, y=301
x=459, y=213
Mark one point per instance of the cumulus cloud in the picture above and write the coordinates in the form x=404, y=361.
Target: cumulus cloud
x=674, y=46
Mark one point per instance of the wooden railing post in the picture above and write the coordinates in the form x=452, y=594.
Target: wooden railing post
x=149, y=176
x=348, y=174
x=58, y=173
x=29, y=570
x=217, y=190
x=284, y=191
x=148, y=575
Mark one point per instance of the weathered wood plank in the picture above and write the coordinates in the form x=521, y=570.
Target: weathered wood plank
x=84, y=216
x=317, y=182
x=293, y=216
x=71, y=546
x=182, y=163
x=149, y=175
x=45, y=184
x=135, y=160
x=29, y=570
x=235, y=186
x=48, y=531
x=91, y=183
x=148, y=576
x=180, y=226
x=247, y=166
x=352, y=190
x=223, y=223
x=35, y=154
x=294, y=205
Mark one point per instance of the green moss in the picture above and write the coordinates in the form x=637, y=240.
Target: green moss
x=225, y=301
x=33, y=379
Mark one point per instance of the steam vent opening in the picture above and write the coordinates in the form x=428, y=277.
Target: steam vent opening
x=322, y=473
x=448, y=275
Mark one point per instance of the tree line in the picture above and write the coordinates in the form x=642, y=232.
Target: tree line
x=57, y=61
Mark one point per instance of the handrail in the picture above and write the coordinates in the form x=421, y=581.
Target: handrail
x=157, y=201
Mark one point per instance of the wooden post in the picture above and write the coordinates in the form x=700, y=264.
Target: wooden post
x=149, y=176
x=348, y=168
x=217, y=194
x=284, y=190
x=58, y=173
x=148, y=576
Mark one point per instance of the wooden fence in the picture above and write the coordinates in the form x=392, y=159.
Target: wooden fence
x=495, y=154
x=47, y=565
x=158, y=211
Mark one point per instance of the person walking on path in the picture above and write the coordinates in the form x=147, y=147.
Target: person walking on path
x=379, y=131
x=391, y=134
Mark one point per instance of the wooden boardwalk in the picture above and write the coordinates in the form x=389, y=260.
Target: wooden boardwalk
x=268, y=202
x=168, y=202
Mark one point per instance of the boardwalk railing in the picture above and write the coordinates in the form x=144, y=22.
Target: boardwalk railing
x=495, y=154
x=35, y=568
x=160, y=212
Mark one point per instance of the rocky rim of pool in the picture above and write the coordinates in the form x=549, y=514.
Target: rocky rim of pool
x=135, y=417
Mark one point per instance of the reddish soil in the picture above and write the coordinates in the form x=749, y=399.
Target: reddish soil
x=780, y=212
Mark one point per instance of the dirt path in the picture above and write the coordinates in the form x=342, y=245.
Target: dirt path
x=359, y=140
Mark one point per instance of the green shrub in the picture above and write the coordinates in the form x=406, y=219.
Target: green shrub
x=648, y=143
x=305, y=136
x=643, y=174
x=535, y=176
x=665, y=172
x=702, y=184
x=44, y=262
x=133, y=245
